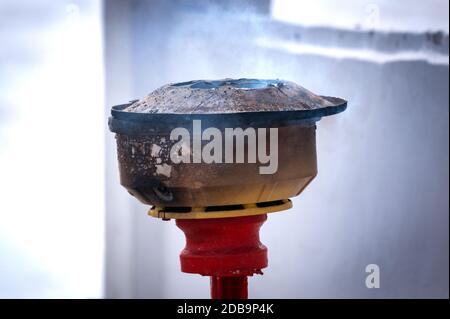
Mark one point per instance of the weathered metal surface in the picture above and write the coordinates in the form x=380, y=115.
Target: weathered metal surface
x=148, y=173
x=143, y=141
x=230, y=96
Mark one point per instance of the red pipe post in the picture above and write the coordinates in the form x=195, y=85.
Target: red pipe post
x=229, y=287
x=226, y=249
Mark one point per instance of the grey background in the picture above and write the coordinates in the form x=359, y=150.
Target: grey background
x=68, y=229
x=381, y=195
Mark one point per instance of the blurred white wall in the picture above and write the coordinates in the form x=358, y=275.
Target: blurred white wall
x=381, y=195
x=381, y=15
x=51, y=149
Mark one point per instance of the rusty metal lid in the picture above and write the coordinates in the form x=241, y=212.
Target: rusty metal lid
x=227, y=103
x=232, y=96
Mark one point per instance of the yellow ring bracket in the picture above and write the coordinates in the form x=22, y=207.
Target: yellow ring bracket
x=215, y=212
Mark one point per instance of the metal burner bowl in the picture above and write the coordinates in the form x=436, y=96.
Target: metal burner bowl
x=144, y=144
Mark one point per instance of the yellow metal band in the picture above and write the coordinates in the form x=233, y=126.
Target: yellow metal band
x=200, y=212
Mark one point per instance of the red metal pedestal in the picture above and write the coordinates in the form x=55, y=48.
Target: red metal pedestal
x=227, y=249
x=229, y=287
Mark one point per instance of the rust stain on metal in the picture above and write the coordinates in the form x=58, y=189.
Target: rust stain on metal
x=228, y=96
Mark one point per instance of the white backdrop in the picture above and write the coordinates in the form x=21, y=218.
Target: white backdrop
x=51, y=149
x=381, y=195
